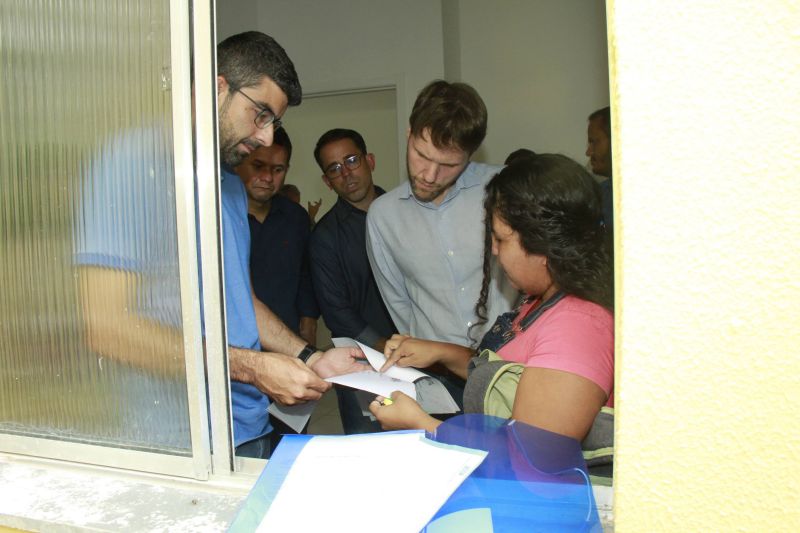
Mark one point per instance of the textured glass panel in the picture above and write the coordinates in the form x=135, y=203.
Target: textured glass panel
x=90, y=328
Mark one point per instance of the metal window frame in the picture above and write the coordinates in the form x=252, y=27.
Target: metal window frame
x=208, y=401
x=209, y=208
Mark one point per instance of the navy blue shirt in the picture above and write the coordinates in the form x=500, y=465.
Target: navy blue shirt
x=343, y=282
x=279, y=263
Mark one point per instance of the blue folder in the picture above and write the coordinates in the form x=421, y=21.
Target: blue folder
x=531, y=480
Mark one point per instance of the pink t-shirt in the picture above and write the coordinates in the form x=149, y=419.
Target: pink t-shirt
x=575, y=336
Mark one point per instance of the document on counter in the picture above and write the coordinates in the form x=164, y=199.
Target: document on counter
x=384, y=482
x=294, y=416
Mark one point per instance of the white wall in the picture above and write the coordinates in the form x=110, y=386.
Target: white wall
x=338, y=45
x=236, y=16
x=371, y=114
x=541, y=67
x=708, y=277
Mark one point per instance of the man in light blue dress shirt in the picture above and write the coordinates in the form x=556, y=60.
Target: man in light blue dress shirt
x=425, y=238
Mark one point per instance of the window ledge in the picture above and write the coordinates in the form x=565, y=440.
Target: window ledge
x=38, y=494
x=604, y=498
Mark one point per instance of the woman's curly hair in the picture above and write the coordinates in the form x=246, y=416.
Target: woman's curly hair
x=554, y=205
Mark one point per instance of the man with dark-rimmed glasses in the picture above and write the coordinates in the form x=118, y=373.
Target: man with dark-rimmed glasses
x=255, y=85
x=343, y=283
x=131, y=303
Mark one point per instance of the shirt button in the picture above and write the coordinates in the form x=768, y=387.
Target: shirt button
x=450, y=253
x=469, y=324
x=463, y=289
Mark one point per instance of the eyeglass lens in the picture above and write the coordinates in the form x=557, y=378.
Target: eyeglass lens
x=352, y=162
x=265, y=116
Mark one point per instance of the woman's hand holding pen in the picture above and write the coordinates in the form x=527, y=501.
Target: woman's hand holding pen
x=401, y=412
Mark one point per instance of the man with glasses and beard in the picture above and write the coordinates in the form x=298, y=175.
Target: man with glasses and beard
x=131, y=305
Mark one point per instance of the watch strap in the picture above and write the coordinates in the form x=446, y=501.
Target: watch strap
x=307, y=352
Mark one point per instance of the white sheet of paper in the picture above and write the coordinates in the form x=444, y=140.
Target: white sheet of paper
x=434, y=397
x=382, y=482
x=431, y=394
x=294, y=416
x=344, y=342
x=375, y=382
x=376, y=359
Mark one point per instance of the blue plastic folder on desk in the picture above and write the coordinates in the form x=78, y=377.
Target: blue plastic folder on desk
x=531, y=480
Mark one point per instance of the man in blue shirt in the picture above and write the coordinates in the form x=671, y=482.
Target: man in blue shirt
x=279, y=232
x=256, y=83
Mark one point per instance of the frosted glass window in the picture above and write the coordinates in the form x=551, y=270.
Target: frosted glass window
x=91, y=343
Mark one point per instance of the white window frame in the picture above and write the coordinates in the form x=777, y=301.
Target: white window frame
x=196, y=190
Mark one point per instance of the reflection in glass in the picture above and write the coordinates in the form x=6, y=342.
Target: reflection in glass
x=91, y=346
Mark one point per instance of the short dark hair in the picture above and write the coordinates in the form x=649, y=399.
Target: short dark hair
x=453, y=112
x=554, y=205
x=604, y=117
x=288, y=189
x=518, y=154
x=281, y=138
x=246, y=58
x=337, y=134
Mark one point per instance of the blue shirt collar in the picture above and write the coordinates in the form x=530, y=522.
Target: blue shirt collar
x=226, y=172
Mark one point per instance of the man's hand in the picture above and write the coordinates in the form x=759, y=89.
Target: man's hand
x=403, y=351
x=285, y=379
x=313, y=209
x=403, y=413
x=337, y=362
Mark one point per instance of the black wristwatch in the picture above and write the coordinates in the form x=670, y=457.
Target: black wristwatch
x=307, y=352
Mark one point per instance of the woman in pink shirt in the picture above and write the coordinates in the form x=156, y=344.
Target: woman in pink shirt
x=544, y=227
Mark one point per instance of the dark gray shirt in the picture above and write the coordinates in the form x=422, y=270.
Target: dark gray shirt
x=343, y=282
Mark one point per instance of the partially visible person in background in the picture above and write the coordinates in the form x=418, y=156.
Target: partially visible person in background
x=598, y=149
x=291, y=192
x=279, y=234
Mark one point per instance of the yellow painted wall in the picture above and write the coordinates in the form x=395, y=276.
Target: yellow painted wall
x=707, y=182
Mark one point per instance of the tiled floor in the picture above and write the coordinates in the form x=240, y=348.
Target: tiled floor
x=325, y=419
